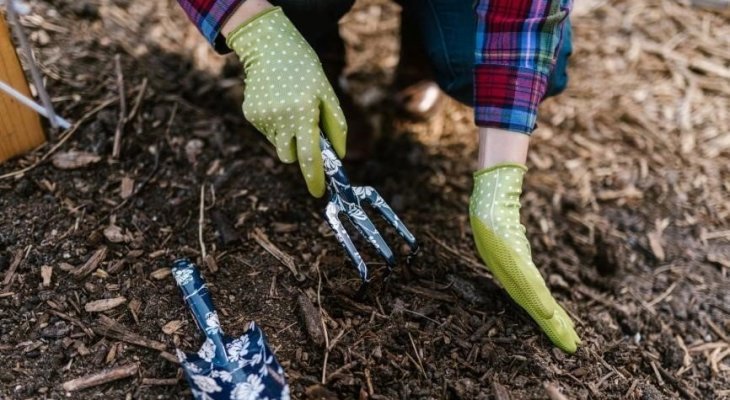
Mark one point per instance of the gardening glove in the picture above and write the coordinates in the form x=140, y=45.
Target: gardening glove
x=287, y=95
x=494, y=212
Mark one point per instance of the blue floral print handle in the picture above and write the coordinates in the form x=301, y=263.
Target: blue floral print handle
x=197, y=298
x=348, y=199
x=226, y=368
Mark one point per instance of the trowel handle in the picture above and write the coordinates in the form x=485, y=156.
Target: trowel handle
x=197, y=298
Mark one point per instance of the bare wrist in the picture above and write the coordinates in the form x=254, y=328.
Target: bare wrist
x=243, y=13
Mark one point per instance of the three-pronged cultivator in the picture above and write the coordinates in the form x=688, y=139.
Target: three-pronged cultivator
x=349, y=200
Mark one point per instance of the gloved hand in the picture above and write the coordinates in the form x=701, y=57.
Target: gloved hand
x=287, y=95
x=494, y=213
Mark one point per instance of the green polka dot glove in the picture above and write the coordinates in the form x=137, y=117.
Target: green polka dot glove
x=494, y=212
x=287, y=95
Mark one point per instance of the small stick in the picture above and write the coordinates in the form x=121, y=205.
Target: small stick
x=91, y=264
x=418, y=356
x=13, y=266
x=260, y=237
x=138, y=100
x=116, y=151
x=112, y=329
x=74, y=321
x=201, y=221
x=342, y=369
x=159, y=382
x=101, y=378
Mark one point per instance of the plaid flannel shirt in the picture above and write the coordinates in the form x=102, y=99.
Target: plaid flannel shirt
x=516, y=45
x=517, y=41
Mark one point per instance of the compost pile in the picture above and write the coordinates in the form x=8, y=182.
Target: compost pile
x=626, y=206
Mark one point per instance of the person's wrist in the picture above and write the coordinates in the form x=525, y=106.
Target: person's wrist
x=247, y=10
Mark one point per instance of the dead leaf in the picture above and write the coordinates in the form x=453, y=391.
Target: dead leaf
x=74, y=159
x=126, y=188
x=172, y=327
x=104, y=304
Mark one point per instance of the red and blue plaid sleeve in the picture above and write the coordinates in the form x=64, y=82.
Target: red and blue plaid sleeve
x=517, y=41
x=209, y=16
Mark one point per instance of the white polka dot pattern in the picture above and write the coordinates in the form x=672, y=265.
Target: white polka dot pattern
x=494, y=212
x=287, y=95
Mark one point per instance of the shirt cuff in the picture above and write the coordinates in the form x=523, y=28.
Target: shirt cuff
x=507, y=97
x=209, y=17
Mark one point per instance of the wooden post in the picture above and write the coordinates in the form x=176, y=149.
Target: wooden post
x=20, y=127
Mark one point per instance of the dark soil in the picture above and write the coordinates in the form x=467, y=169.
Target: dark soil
x=651, y=303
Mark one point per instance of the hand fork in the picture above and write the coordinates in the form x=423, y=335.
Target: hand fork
x=348, y=199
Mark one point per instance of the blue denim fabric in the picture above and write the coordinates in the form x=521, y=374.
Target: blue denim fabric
x=448, y=29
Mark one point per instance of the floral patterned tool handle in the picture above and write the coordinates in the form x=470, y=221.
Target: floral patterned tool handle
x=348, y=199
x=196, y=295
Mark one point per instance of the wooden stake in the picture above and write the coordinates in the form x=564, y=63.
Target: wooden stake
x=20, y=127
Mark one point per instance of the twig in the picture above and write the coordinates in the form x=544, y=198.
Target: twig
x=159, y=382
x=61, y=142
x=676, y=383
x=74, y=321
x=117, y=149
x=138, y=100
x=260, y=237
x=91, y=264
x=321, y=320
x=201, y=222
x=418, y=356
x=101, y=378
x=112, y=329
x=342, y=369
x=717, y=330
x=19, y=257
x=663, y=295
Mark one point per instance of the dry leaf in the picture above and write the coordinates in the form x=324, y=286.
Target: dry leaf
x=74, y=159
x=161, y=273
x=46, y=272
x=127, y=188
x=104, y=304
x=172, y=327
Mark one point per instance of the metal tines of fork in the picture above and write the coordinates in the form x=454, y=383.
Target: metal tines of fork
x=349, y=200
